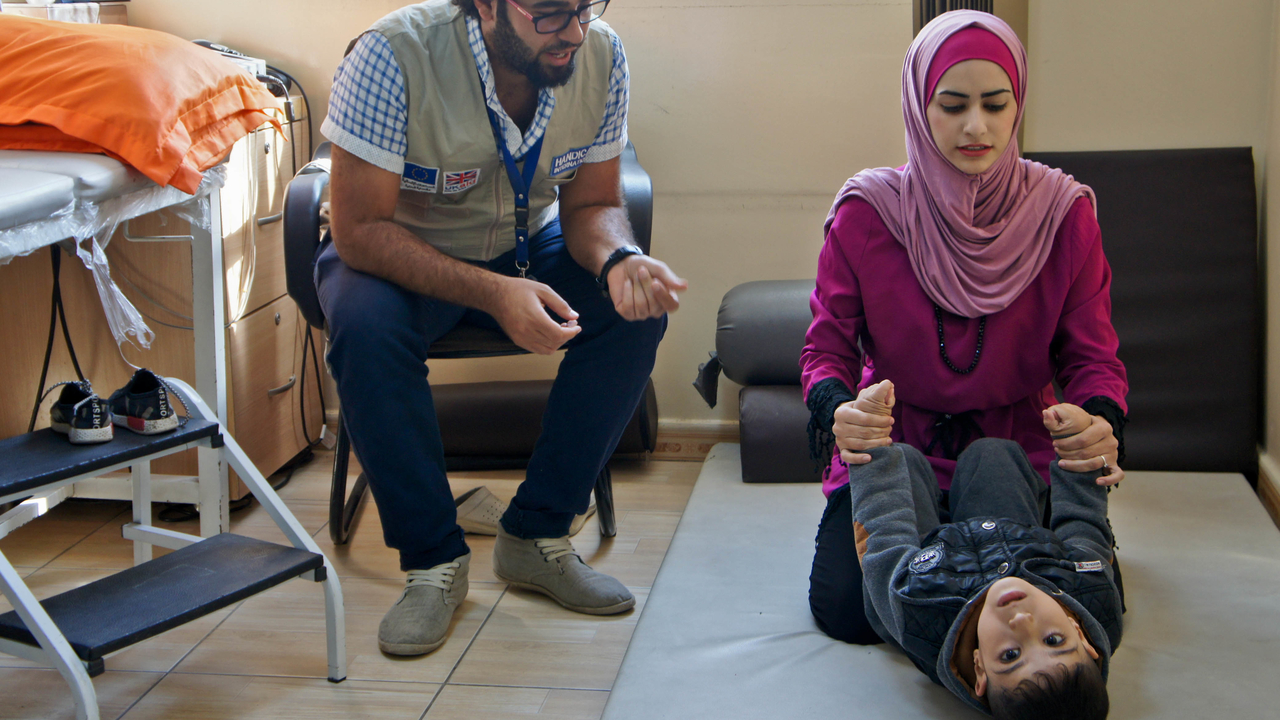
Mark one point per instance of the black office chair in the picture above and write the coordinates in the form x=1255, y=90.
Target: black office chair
x=302, y=236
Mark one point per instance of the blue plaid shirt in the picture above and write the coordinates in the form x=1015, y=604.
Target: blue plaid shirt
x=368, y=113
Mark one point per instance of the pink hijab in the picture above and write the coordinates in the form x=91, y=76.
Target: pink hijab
x=975, y=241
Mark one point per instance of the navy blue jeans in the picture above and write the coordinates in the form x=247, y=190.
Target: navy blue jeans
x=379, y=334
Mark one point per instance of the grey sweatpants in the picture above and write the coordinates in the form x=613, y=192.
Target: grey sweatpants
x=993, y=478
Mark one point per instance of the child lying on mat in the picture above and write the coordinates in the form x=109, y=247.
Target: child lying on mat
x=1015, y=619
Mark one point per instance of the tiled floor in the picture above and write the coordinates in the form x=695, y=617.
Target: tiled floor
x=511, y=654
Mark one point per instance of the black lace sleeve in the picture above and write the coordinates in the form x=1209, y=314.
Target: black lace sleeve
x=823, y=400
x=1109, y=410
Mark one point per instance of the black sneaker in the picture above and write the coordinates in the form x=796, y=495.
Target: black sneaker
x=143, y=405
x=80, y=414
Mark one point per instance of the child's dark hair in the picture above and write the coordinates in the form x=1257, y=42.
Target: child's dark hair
x=1073, y=693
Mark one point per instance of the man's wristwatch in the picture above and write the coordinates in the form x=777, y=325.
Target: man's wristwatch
x=615, y=257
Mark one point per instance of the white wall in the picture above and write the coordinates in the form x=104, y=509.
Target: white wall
x=1271, y=263
x=1147, y=74
x=748, y=114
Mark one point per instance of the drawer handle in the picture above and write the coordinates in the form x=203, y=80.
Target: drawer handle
x=270, y=219
x=283, y=388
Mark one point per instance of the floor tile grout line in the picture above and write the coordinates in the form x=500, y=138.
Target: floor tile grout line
x=210, y=673
x=465, y=650
x=179, y=661
x=207, y=635
x=434, y=696
x=139, y=699
x=528, y=687
x=74, y=545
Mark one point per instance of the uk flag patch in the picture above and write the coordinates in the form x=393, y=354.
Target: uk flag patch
x=456, y=182
x=419, y=178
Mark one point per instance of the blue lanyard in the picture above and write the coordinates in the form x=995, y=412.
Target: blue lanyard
x=520, y=183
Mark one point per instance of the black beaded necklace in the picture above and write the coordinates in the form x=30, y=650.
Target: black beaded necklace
x=942, y=342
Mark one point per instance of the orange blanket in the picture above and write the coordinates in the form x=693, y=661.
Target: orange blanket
x=167, y=107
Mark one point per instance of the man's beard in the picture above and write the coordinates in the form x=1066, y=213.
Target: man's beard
x=511, y=51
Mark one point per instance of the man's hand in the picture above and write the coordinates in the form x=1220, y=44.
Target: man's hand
x=594, y=218
x=642, y=287
x=1092, y=448
x=521, y=310
x=864, y=423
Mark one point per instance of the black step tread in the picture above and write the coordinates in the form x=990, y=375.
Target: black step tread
x=143, y=601
x=45, y=457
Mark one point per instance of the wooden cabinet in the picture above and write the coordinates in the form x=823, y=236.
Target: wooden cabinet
x=273, y=406
x=265, y=332
x=265, y=352
x=253, y=218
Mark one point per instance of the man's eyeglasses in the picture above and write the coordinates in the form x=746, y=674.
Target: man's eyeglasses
x=557, y=21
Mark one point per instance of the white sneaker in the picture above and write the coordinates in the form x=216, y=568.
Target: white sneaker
x=480, y=511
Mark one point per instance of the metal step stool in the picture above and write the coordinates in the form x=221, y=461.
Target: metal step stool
x=74, y=631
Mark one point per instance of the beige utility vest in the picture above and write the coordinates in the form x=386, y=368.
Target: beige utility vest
x=454, y=191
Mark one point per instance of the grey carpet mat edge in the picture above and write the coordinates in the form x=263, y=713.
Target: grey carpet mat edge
x=726, y=631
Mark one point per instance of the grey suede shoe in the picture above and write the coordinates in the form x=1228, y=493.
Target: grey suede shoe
x=552, y=567
x=419, y=621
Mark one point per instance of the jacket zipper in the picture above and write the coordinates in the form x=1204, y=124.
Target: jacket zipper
x=499, y=214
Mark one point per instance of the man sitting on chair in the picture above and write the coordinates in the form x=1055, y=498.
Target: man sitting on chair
x=476, y=175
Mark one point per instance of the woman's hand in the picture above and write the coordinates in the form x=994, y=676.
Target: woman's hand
x=1093, y=448
x=864, y=423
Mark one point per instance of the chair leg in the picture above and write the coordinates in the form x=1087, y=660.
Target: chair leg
x=343, y=508
x=335, y=625
x=604, y=503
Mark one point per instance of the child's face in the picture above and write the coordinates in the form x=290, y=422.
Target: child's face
x=1022, y=630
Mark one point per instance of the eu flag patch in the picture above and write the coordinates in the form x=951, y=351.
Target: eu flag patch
x=419, y=178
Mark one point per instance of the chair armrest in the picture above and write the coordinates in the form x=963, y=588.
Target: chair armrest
x=302, y=223
x=760, y=331
x=637, y=189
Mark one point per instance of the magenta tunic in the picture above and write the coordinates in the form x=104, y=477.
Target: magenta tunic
x=1058, y=328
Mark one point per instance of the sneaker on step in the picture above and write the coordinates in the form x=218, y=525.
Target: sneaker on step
x=80, y=414
x=419, y=621
x=552, y=567
x=143, y=405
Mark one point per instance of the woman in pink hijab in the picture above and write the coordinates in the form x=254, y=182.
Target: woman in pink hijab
x=972, y=280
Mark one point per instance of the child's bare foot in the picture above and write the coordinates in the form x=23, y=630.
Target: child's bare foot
x=1065, y=420
x=876, y=399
